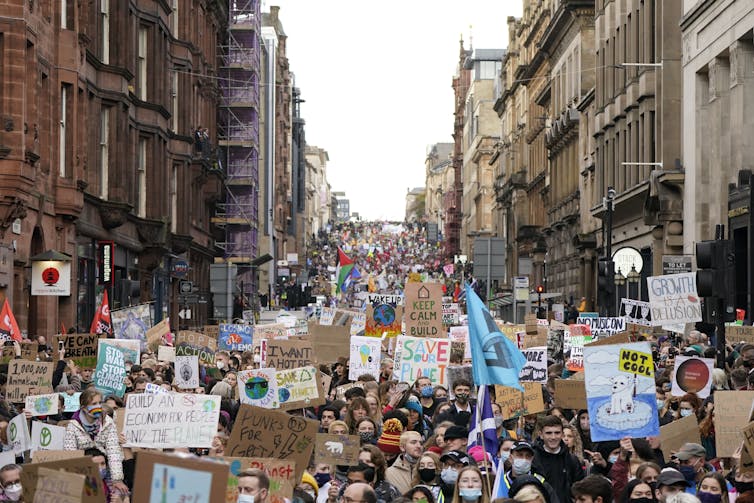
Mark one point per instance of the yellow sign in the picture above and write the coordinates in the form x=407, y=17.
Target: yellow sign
x=636, y=362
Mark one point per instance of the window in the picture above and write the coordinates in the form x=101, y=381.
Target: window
x=174, y=200
x=141, y=186
x=104, y=152
x=65, y=14
x=174, y=18
x=174, y=101
x=141, y=64
x=62, y=140
x=104, y=9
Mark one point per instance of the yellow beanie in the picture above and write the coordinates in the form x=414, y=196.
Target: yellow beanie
x=306, y=478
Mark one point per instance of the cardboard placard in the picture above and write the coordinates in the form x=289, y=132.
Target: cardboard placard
x=288, y=354
x=423, y=311
x=337, y=449
x=340, y=391
x=739, y=333
x=28, y=378
x=732, y=413
x=158, y=334
x=194, y=343
x=44, y=456
x=748, y=434
x=420, y=356
x=300, y=387
x=168, y=477
x=515, y=403
x=29, y=351
x=570, y=393
x=620, y=338
x=266, y=433
x=329, y=343
x=674, y=434
x=95, y=492
x=212, y=331
x=530, y=323
x=111, y=371
x=271, y=331
x=42, y=405
x=259, y=387
x=383, y=319
x=59, y=486
x=280, y=472
x=81, y=348
x=166, y=353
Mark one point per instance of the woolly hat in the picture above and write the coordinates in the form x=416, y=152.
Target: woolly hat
x=390, y=440
x=414, y=405
x=306, y=478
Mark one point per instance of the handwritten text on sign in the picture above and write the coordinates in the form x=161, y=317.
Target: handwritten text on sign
x=636, y=362
x=673, y=299
x=28, y=378
x=419, y=356
x=171, y=420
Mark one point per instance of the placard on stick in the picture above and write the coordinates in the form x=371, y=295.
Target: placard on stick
x=337, y=449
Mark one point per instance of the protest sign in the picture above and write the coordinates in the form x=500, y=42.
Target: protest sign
x=171, y=420
x=739, y=333
x=423, y=311
x=620, y=338
x=358, y=323
x=337, y=449
x=515, y=403
x=187, y=372
x=71, y=401
x=158, y=334
x=539, y=338
x=166, y=354
x=95, y=491
x=81, y=348
x=383, y=319
x=235, y=337
x=451, y=313
x=29, y=351
x=673, y=299
x=636, y=312
x=299, y=387
x=461, y=335
x=420, y=356
x=154, y=389
x=169, y=477
x=535, y=369
x=748, y=434
x=375, y=299
x=692, y=375
x=329, y=343
x=676, y=433
x=110, y=375
x=42, y=405
x=620, y=391
x=365, y=357
x=194, y=343
x=576, y=336
x=732, y=413
x=340, y=391
x=602, y=327
x=269, y=433
x=18, y=434
x=259, y=387
x=270, y=331
x=59, y=486
x=131, y=349
x=570, y=393
x=28, y=378
x=288, y=354
x=279, y=472
x=132, y=323
x=556, y=342
x=327, y=316
x=43, y=456
x=46, y=437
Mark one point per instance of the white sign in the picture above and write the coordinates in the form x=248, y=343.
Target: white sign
x=166, y=353
x=46, y=437
x=365, y=357
x=154, y=389
x=327, y=316
x=393, y=300
x=673, y=299
x=692, y=375
x=461, y=334
x=51, y=277
x=450, y=314
x=636, y=311
x=358, y=323
x=535, y=369
x=603, y=327
x=259, y=387
x=18, y=434
x=171, y=420
x=42, y=405
x=187, y=372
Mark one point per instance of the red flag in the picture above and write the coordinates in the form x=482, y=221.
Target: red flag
x=8, y=326
x=102, y=324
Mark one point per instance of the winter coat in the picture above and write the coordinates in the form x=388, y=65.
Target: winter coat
x=399, y=475
x=106, y=440
x=560, y=470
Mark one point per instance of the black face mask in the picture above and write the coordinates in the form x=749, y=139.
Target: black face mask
x=427, y=475
x=742, y=487
x=640, y=500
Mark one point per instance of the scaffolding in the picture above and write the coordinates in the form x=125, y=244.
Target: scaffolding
x=238, y=140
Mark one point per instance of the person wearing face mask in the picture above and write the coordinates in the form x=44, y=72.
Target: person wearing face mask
x=426, y=395
x=470, y=487
x=309, y=485
x=742, y=482
x=633, y=452
x=712, y=488
x=253, y=486
x=365, y=429
x=506, y=445
x=10, y=478
x=691, y=463
x=637, y=491
x=91, y=428
x=427, y=474
x=688, y=404
x=452, y=464
x=460, y=412
x=521, y=457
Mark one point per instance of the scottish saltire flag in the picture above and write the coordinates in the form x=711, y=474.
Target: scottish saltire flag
x=483, y=424
x=496, y=360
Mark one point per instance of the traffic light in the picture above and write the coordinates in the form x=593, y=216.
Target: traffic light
x=540, y=289
x=605, y=284
x=716, y=275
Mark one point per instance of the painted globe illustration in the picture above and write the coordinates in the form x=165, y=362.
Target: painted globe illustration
x=384, y=314
x=257, y=387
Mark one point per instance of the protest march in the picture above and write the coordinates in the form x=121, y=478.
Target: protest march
x=399, y=374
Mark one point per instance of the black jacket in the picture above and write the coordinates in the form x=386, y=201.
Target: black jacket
x=560, y=470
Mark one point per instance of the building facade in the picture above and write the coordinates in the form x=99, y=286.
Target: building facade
x=438, y=168
x=318, y=194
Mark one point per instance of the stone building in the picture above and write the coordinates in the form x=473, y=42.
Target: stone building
x=415, y=204
x=318, y=194
x=718, y=154
x=101, y=103
x=438, y=182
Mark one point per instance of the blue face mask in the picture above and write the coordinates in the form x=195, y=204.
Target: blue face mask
x=660, y=404
x=686, y=412
x=470, y=494
x=427, y=391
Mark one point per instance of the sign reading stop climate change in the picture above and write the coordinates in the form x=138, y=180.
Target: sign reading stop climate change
x=418, y=356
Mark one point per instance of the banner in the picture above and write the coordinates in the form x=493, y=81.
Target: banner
x=692, y=375
x=423, y=311
x=420, y=356
x=620, y=390
x=235, y=337
x=259, y=387
x=46, y=437
x=299, y=388
x=365, y=357
x=170, y=420
x=340, y=450
x=187, y=372
x=28, y=378
x=132, y=323
x=109, y=377
x=603, y=327
x=535, y=369
x=42, y=405
x=673, y=299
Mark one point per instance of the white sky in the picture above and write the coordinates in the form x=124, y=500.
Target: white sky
x=376, y=77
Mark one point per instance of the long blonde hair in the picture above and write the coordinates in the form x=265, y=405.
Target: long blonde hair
x=529, y=493
x=578, y=447
x=485, y=493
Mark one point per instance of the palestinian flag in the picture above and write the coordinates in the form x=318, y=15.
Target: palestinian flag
x=102, y=323
x=8, y=327
x=346, y=270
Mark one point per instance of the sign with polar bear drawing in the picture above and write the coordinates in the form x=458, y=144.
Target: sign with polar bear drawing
x=620, y=391
x=337, y=449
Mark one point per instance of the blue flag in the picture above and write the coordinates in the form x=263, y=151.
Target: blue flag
x=495, y=359
x=485, y=425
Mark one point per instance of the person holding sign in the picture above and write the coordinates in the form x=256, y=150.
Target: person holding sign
x=91, y=428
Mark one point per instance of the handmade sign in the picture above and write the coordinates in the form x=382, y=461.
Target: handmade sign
x=375, y=299
x=451, y=314
x=514, y=403
x=603, y=326
x=460, y=335
x=168, y=477
x=673, y=299
x=636, y=312
x=420, y=356
x=46, y=437
x=620, y=391
x=158, y=334
x=235, y=337
x=299, y=387
x=18, y=434
x=59, y=486
x=620, y=338
x=340, y=391
x=423, y=311
x=271, y=331
x=95, y=491
x=132, y=323
x=535, y=369
x=365, y=357
x=555, y=342
x=195, y=343
x=748, y=434
x=358, y=323
x=131, y=349
x=739, y=333
x=268, y=433
x=81, y=348
x=288, y=354
x=383, y=319
x=692, y=375
x=29, y=351
x=327, y=316
x=43, y=456
x=71, y=401
x=187, y=372
x=259, y=387
x=166, y=354
x=329, y=343
x=732, y=414
x=337, y=449
x=110, y=375
x=154, y=389
x=42, y=405
x=570, y=393
x=576, y=336
x=676, y=433
x=171, y=420
x=28, y=378
x=280, y=472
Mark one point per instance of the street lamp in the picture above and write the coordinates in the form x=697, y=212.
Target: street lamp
x=634, y=278
x=619, y=280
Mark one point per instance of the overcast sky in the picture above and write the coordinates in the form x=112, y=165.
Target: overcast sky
x=376, y=77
